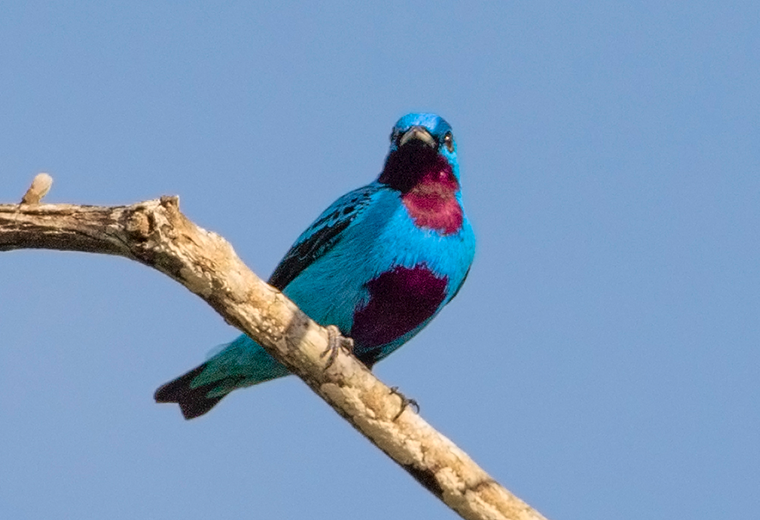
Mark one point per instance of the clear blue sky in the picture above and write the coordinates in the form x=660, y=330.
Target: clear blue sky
x=603, y=359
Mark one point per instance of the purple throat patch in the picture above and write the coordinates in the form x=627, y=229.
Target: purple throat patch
x=432, y=202
x=399, y=301
x=428, y=187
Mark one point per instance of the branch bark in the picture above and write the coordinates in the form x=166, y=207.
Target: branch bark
x=158, y=235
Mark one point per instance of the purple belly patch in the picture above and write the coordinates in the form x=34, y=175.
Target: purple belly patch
x=399, y=301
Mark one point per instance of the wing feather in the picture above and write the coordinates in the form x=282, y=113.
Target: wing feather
x=322, y=235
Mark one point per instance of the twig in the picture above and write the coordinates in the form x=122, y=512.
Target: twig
x=39, y=188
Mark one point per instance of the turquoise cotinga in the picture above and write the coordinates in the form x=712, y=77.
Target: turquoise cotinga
x=379, y=264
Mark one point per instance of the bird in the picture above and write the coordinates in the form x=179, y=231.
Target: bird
x=379, y=264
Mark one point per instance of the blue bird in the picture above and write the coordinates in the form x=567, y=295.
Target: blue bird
x=379, y=264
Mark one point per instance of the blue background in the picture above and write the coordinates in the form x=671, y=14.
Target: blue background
x=601, y=362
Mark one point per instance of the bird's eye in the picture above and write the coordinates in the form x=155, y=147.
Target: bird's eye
x=448, y=140
x=394, y=134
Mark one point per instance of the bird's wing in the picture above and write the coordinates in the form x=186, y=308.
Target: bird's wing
x=322, y=235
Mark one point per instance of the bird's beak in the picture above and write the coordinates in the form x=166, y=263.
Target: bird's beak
x=417, y=133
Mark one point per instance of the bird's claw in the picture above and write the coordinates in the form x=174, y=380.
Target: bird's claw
x=335, y=342
x=405, y=401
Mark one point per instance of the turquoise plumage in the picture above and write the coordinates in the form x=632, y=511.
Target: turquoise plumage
x=379, y=264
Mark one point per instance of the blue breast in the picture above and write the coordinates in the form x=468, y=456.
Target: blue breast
x=386, y=278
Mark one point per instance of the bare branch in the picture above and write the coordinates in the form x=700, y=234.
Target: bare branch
x=156, y=234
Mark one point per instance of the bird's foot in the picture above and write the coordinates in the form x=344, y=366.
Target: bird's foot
x=335, y=342
x=405, y=401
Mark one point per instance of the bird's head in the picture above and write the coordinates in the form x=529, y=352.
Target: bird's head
x=422, y=150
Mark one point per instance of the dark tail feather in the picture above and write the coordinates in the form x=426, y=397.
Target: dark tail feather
x=192, y=401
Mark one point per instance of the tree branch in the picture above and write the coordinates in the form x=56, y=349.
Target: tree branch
x=156, y=234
